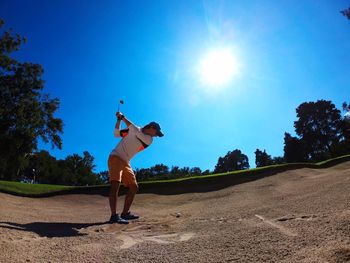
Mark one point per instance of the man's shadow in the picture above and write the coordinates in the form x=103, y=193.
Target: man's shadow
x=47, y=229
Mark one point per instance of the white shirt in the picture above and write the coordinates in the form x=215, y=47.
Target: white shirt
x=133, y=141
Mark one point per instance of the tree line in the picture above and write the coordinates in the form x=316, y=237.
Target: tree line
x=322, y=132
x=73, y=170
x=27, y=115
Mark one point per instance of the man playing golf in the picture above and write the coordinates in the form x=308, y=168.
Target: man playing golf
x=134, y=139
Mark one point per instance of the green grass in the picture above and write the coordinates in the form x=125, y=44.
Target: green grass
x=334, y=159
x=30, y=189
x=226, y=179
x=259, y=169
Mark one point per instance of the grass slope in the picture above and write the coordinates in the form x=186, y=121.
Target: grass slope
x=175, y=186
x=31, y=189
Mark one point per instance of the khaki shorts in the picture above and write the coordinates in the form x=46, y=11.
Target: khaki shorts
x=120, y=171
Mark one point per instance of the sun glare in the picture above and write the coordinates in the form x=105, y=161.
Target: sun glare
x=218, y=67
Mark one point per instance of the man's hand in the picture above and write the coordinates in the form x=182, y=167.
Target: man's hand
x=119, y=115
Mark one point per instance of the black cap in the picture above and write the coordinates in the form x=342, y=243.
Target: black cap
x=156, y=126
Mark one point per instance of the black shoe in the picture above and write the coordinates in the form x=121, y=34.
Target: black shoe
x=129, y=216
x=117, y=219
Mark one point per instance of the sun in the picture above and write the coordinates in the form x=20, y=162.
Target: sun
x=218, y=67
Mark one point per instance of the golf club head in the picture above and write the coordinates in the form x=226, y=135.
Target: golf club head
x=120, y=102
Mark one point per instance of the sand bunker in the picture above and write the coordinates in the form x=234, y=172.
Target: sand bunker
x=295, y=216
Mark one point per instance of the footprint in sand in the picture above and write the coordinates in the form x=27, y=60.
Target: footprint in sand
x=157, y=231
x=139, y=225
x=303, y=217
x=142, y=231
x=133, y=239
x=26, y=239
x=219, y=220
x=282, y=229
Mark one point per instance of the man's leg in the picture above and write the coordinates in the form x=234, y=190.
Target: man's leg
x=129, y=198
x=115, y=168
x=113, y=195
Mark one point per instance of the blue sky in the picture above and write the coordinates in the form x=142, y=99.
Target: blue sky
x=147, y=53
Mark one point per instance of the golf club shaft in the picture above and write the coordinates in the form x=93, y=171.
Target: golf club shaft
x=120, y=102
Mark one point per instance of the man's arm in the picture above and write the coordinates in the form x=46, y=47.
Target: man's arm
x=127, y=122
x=122, y=117
x=117, y=125
x=117, y=128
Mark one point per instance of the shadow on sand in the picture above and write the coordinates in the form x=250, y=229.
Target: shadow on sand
x=47, y=229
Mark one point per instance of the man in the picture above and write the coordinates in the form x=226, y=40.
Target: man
x=134, y=140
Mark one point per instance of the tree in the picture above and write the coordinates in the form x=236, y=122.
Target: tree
x=185, y=171
x=319, y=128
x=346, y=121
x=278, y=160
x=175, y=170
x=160, y=169
x=103, y=177
x=293, y=149
x=206, y=172
x=26, y=114
x=143, y=174
x=80, y=169
x=195, y=171
x=232, y=161
x=344, y=145
x=45, y=166
x=88, y=175
x=262, y=158
x=161, y=172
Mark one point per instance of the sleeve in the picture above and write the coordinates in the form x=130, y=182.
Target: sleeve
x=133, y=128
x=147, y=139
x=116, y=132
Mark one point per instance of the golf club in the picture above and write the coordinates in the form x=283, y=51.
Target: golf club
x=120, y=102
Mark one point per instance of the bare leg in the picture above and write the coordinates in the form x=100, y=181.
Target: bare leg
x=129, y=198
x=113, y=195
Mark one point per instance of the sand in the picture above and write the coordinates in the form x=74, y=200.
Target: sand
x=295, y=216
